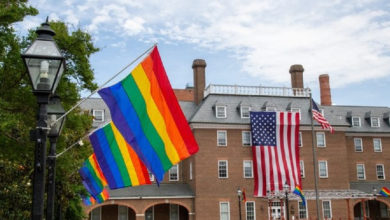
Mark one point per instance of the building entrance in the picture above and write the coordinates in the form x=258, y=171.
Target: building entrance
x=371, y=209
x=166, y=212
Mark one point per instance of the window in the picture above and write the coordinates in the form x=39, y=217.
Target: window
x=190, y=170
x=380, y=171
x=222, y=169
x=246, y=138
x=296, y=110
x=375, y=122
x=151, y=176
x=302, y=165
x=122, y=213
x=96, y=213
x=174, y=173
x=149, y=213
x=173, y=212
x=323, y=168
x=250, y=211
x=361, y=173
x=224, y=211
x=327, y=209
x=300, y=139
x=377, y=145
x=358, y=144
x=220, y=111
x=248, y=169
x=244, y=110
x=320, y=139
x=221, y=138
x=302, y=210
x=355, y=121
x=98, y=115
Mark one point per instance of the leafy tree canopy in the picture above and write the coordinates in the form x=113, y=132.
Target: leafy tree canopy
x=18, y=110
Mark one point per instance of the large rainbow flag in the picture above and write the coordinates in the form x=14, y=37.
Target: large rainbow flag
x=117, y=159
x=93, y=178
x=145, y=110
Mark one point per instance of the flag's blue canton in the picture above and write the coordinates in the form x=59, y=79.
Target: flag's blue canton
x=263, y=127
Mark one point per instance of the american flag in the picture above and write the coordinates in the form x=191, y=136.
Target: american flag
x=320, y=118
x=275, y=151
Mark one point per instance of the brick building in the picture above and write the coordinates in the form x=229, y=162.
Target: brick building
x=352, y=163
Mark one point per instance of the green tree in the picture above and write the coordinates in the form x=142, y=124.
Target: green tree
x=18, y=110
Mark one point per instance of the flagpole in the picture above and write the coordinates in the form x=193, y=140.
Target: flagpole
x=315, y=165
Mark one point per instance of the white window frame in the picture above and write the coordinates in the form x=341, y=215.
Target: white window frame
x=221, y=132
x=177, y=173
x=243, y=111
x=359, y=121
x=220, y=209
x=219, y=169
x=330, y=208
x=357, y=171
x=94, y=111
x=190, y=170
x=224, y=114
x=302, y=166
x=326, y=168
x=299, y=210
x=98, y=209
x=127, y=211
x=361, y=144
x=323, y=134
x=246, y=210
x=296, y=110
x=244, y=141
x=300, y=141
x=243, y=168
x=372, y=124
x=383, y=171
x=380, y=144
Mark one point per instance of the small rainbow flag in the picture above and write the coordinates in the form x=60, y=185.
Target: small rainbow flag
x=103, y=196
x=93, y=179
x=146, y=112
x=89, y=200
x=117, y=159
x=298, y=191
x=385, y=192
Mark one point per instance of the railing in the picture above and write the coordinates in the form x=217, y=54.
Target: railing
x=256, y=90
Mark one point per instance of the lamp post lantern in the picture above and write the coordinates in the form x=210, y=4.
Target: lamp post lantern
x=54, y=111
x=239, y=194
x=45, y=65
x=286, y=188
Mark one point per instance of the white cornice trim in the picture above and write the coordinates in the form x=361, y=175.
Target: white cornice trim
x=361, y=134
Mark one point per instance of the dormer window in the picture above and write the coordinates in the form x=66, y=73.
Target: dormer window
x=375, y=123
x=356, y=122
x=244, y=110
x=98, y=115
x=220, y=111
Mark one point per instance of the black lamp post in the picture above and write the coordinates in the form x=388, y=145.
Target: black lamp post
x=239, y=193
x=45, y=66
x=286, y=188
x=54, y=111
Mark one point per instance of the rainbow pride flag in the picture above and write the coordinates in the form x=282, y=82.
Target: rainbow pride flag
x=101, y=197
x=385, y=192
x=89, y=200
x=93, y=179
x=117, y=159
x=145, y=110
x=298, y=191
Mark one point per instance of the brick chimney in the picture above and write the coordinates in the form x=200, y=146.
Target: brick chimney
x=296, y=72
x=199, y=67
x=326, y=98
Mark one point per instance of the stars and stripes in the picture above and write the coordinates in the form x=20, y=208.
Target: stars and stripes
x=320, y=118
x=275, y=151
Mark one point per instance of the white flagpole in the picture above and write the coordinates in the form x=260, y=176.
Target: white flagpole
x=315, y=165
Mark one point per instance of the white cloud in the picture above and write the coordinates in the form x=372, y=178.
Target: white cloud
x=346, y=38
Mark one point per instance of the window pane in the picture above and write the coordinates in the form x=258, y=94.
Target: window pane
x=358, y=144
x=222, y=169
x=360, y=171
x=248, y=171
x=375, y=122
x=122, y=213
x=320, y=140
x=323, y=169
x=355, y=121
x=98, y=115
x=380, y=172
x=245, y=111
x=246, y=138
x=250, y=210
x=300, y=139
x=221, y=136
x=377, y=145
x=221, y=111
x=302, y=210
x=302, y=166
x=224, y=210
x=326, y=209
x=173, y=173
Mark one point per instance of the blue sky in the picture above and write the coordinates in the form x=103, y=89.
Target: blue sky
x=243, y=42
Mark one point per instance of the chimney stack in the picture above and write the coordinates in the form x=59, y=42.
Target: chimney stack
x=326, y=98
x=199, y=67
x=296, y=72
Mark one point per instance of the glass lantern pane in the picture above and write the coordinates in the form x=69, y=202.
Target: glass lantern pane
x=43, y=71
x=59, y=75
x=43, y=48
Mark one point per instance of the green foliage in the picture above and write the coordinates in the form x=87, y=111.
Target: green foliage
x=18, y=114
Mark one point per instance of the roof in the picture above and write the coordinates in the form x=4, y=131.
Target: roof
x=176, y=190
